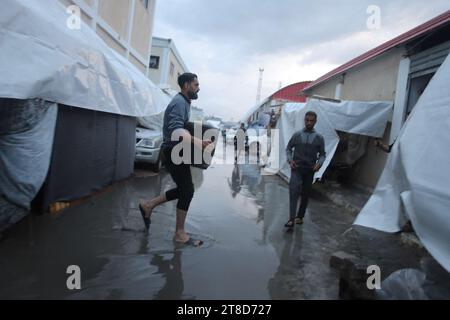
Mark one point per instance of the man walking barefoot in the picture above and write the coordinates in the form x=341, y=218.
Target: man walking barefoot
x=176, y=117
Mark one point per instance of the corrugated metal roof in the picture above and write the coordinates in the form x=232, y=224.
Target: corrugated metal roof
x=411, y=34
x=292, y=92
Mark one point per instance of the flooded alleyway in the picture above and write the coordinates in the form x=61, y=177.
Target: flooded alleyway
x=239, y=213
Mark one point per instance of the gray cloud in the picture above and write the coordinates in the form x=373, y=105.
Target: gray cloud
x=228, y=40
x=272, y=26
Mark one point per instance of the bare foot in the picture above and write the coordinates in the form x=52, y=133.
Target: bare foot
x=181, y=237
x=148, y=208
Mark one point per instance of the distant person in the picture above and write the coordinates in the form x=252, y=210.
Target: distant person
x=306, y=159
x=176, y=117
x=240, y=142
x=273, y=119
x=224, y=136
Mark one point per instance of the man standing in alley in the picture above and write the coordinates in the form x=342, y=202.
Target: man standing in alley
x=306, y=159
x=176, y=117
x=240, y=142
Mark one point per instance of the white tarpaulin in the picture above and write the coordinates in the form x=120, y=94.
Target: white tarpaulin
x=357, y=117
x=416, y=179
x=252, y=110
x=367, y=118
x=291, y=121
x=41, y=57
x=161, y=98
x=25, y=153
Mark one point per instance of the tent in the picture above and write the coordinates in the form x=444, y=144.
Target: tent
x=414, y=183
x=85, y=139
x=40, y=57
x=252, y=110
x=290, y=121
x=357, y=117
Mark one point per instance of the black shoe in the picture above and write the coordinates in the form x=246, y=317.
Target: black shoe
x=290, y=223
x=146, y=220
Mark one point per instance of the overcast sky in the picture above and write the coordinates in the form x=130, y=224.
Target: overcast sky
x=226, y=41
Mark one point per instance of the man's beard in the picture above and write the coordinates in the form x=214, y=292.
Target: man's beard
x=192, y=95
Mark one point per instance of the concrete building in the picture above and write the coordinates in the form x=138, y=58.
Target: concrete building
x=125, y=25
x=166, y=63
x=398, y=70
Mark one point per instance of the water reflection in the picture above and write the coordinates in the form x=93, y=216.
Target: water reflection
x=247, y=180
x=235, y=182
x=169, y=266
x=277, y=285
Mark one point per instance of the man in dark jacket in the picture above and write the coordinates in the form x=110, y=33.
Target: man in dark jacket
x=306, y=159
x=240, y=142
x=176, y=117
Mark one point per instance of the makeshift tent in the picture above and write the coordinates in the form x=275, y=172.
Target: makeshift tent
x=91, y=150
x=357, y=117
x=367, y=118
x=290, y=121
x=40, y=56
x=414, y=183
x=26, y=138
x=359, y=120
x=98, y=94
x=252, y=110
x=161, y=98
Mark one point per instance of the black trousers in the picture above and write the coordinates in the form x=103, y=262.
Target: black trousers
x=300, y=184
x=181, y=174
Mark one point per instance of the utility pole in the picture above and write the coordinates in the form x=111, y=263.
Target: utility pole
x=258, y=92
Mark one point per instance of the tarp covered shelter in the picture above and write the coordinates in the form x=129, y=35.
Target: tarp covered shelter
x=252, y=110
x=41, y=57
x=94, y=97
x=414, y=183
x=356, y=117
x=291, y=121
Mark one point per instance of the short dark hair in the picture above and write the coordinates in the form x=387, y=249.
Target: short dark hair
x=186, y=77
x=311, y=114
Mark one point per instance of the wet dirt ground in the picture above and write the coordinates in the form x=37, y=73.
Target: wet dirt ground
x=236, y=211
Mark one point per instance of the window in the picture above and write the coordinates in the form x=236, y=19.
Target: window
x=417, y=86
x=172, y=69
x=154, y=62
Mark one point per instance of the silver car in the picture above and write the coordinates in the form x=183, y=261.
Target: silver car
x=148, y=147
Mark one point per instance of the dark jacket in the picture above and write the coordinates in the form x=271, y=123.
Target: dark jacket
x=176, y=116
x=309, y=149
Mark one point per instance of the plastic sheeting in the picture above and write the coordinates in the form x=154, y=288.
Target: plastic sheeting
x=430, y=282
x=161, y=98
x=367, y=118
x=252, y=110
x=356, y=117
x=25, y=152
x=292, y=120
x=40, y=57
x=415, y=181
x=91, y=150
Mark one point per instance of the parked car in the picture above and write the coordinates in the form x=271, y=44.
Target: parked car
x=148, y=147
